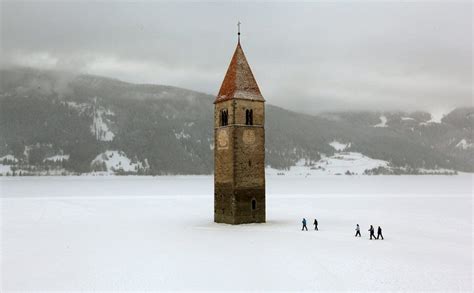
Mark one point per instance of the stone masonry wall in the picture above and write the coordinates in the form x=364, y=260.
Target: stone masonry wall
x=239, y=155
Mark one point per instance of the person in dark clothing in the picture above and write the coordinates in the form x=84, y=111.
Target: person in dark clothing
x=379, y=233
x=357, y=230
x=315, y=225
x=304, y=225
x=371, y=230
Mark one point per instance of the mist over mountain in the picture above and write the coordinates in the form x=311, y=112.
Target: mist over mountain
x=54, y=122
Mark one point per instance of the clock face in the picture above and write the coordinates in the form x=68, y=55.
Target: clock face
x=222, y=139
x=248, y=136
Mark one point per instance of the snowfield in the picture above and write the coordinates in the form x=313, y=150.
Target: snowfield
x=383, y=122
x=338, y=146
x=337, y=164
x=157, y=233
x=114, y=160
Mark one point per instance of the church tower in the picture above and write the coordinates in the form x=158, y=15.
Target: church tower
x=239, y=146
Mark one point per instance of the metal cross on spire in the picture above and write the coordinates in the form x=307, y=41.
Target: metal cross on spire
x=238, y=29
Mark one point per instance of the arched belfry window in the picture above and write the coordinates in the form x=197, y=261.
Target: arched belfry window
x=254, y=204
x=248, y=117
x=224, y=117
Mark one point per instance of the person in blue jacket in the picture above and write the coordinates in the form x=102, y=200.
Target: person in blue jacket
x=304, y=225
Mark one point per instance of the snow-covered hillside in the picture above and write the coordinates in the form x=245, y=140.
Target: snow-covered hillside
x=338, y=146
x=100, y=118
x=100, y=126
x=383, y=122
x=112, y=161
x=157, y=234
x=57, y=158
x=9, y=158
x=463, y=144
x=172, y=128
x=342, y=163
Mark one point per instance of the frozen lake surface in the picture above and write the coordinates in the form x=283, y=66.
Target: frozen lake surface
x=157, y=233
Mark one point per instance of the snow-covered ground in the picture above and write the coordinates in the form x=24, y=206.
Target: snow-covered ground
x=117, y=160
x=339, y=146
x=340, y=163
x=10, y=158
x=337, y=164
x=157, y=233
x=463, y=144
x=57, y=158
x=383, y=122
x=4, y=169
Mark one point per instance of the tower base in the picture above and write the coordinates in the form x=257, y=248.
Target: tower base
x=239, y=205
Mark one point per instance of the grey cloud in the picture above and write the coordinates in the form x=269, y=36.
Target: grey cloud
x=306, y=56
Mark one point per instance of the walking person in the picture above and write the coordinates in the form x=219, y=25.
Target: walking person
x=304, y=225
x=371, y=230
x=315, y=225
x=379, y=233
x=357, y=230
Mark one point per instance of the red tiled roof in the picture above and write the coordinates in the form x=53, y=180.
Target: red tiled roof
x=239, y=81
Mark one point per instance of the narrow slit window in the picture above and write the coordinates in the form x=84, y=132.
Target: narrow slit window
x=248, y=117
x=254, y=204
x=224, y=117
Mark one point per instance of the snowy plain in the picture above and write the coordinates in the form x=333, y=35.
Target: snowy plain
x=157, y=233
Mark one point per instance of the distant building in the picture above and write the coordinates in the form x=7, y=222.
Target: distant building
x=239, y=152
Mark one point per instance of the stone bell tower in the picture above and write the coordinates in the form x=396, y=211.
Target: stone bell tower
x=239, y=146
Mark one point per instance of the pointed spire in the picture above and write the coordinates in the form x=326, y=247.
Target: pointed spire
x=238, y=29
x=239, y=82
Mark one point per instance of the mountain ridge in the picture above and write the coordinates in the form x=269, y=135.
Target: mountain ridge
x=168, y=130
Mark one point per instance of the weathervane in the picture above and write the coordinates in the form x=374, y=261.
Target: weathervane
x=238, y=28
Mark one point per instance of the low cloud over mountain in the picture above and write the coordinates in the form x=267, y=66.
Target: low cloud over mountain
x=53, y=120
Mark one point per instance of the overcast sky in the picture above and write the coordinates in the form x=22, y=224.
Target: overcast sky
x=307, y=57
